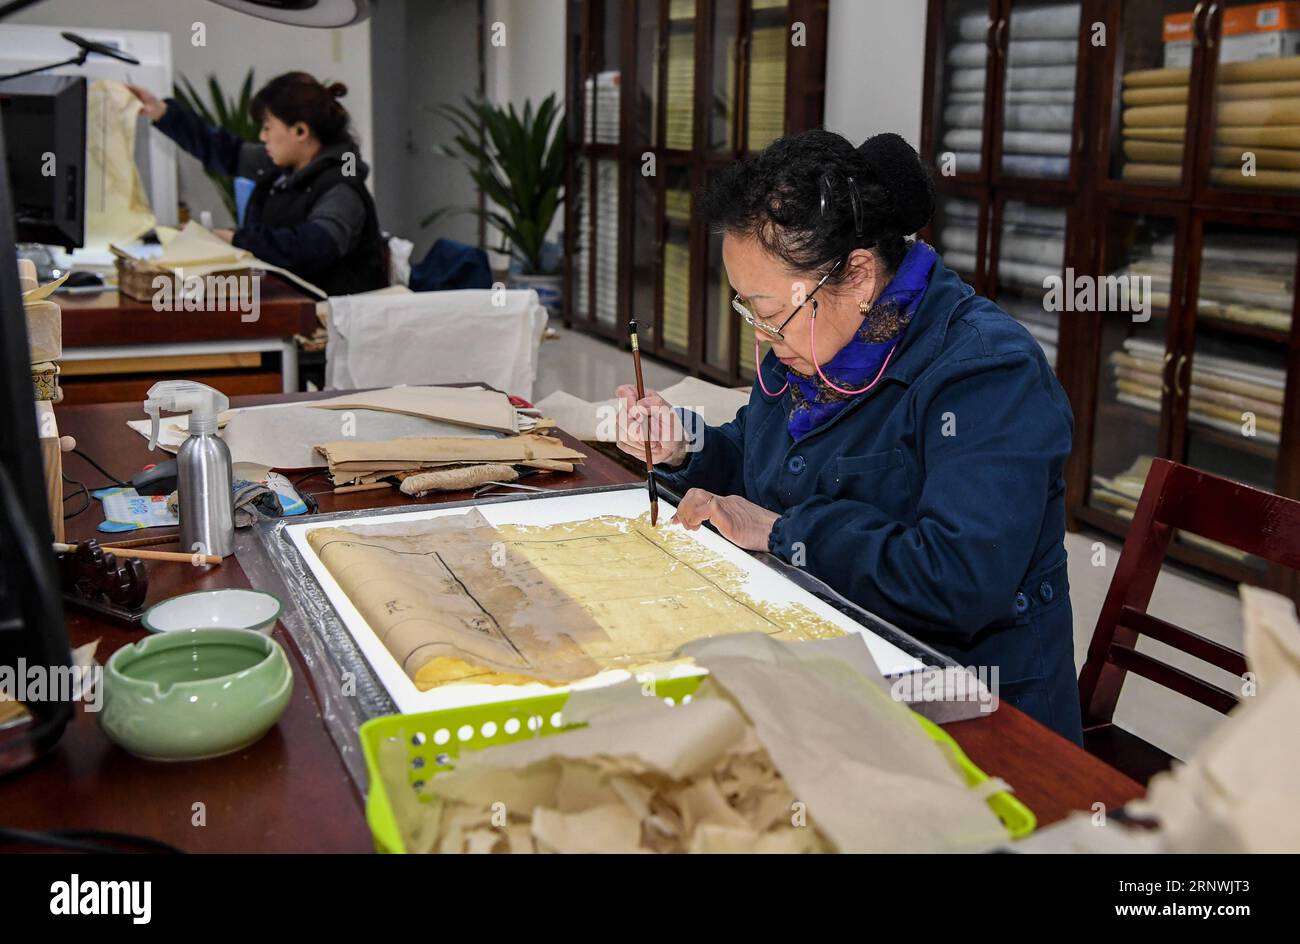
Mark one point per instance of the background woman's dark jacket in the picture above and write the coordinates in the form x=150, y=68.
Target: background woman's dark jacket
x=936, y=500
x=319, y=223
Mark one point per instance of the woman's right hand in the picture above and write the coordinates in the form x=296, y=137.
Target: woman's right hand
x=151, y=106
x=650, y=419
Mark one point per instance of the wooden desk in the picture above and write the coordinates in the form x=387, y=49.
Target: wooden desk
x=289, y=791
x=218, y=348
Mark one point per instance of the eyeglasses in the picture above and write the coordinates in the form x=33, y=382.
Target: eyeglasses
x=768, y=330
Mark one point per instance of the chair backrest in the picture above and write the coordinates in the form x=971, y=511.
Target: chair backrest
x=1178, y=498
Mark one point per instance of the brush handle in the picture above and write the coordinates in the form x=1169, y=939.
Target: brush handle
x=649, y=457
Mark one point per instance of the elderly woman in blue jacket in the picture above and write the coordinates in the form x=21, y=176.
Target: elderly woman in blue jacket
x=905, y=439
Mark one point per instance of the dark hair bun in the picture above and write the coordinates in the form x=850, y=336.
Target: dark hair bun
x=899, y=170
x=337, y=89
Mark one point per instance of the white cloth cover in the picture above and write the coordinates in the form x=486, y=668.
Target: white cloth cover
x=435, y=337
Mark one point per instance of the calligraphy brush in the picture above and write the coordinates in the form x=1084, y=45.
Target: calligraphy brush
x=651, y=487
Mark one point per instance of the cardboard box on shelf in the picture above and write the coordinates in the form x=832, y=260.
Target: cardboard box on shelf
x=1256, y=31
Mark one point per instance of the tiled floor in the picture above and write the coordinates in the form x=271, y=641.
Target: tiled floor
x=590, y=368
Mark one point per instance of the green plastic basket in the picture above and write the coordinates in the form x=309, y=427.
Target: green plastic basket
x=434, y=739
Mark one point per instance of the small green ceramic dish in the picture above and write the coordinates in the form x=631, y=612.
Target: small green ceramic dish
x=191, y=694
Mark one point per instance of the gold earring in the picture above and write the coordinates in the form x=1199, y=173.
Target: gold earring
x=863, y=308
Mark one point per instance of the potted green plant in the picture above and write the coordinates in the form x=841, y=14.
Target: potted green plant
x=232, y=114
x=516, y=160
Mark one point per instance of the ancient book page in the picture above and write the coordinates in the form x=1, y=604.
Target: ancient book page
x=456, y=599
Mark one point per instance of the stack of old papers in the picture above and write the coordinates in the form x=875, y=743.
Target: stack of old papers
x=787, y=747
x=194, y=252
x=519, y=441
x=352, y=462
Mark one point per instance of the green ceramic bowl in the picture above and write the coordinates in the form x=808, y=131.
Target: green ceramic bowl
x=194, y=693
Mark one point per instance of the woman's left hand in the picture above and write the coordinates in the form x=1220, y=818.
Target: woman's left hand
x=226, y=235
x=739, y=520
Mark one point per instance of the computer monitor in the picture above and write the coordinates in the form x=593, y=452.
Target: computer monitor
x=32, y=631
x=44, y=119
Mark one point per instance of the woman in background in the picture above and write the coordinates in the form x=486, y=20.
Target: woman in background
x=309, y=211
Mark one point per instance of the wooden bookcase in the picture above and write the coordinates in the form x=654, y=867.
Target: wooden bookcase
x=1209, y=374
x=661, y=95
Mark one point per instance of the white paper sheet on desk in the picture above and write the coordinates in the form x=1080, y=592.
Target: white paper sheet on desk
x=763, y=584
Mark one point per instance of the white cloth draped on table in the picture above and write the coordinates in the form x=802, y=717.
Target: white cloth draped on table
x=383, y=340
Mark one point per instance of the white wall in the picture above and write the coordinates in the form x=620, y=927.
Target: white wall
x=423, y=55
x=875, y=65
x=234, y=42
x=531, y=63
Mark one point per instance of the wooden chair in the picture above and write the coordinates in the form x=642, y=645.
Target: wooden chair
x=1175, y=497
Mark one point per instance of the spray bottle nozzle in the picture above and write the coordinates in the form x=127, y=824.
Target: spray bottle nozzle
x=185, y=396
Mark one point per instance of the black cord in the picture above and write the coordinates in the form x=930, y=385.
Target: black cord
x=86, y=498
x=310, y=475
x=86, y=840
x=108, y=475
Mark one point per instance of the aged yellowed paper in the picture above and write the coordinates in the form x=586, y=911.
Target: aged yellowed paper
x=456, y=599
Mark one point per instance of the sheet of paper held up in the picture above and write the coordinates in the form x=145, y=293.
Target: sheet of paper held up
x=523, y=597
x=117, y=209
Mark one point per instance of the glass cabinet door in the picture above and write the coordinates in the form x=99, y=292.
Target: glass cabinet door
x=601, y=89
x=1151, y=129
x=1030, y=255
x=1038, y=86
x=679, y=92
x=958, y=132
x=1256, y=98
x=1231, y=378
x=769, y=43
x=645, y=257
x=719, y=316
x=1133, y=390
x=956, y=230
x=724, y=101
x=645, y=101
x=676, y=321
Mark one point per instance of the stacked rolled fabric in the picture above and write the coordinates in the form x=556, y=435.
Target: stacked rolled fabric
x=1030, y=252
x=1246, y=278
x=1256, y=131
x=1222, y=390
x=679, y=100
x=600, y=106
x=581, y=264
x=607, y=310
x=958, y=237
x=1038, y=109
